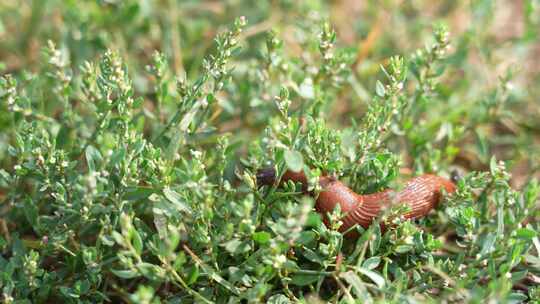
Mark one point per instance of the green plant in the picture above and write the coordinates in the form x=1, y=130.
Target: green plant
x=131, y=178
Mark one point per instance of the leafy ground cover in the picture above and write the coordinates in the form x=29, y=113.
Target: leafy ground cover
x=131, y=133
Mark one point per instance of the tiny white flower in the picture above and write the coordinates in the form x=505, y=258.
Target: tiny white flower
x=280, y=260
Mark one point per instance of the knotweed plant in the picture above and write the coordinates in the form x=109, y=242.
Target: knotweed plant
x=138, y=185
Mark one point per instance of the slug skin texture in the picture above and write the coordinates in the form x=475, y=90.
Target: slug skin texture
x=421, y=193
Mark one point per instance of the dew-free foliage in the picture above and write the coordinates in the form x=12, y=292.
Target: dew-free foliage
x=131, y=134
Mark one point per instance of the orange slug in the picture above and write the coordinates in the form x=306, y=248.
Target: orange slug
x=421, y=193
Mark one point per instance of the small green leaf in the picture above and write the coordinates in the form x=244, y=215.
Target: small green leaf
x=193, y=275
x=236, y=246
x=306, y=89
x=403, y=248
x=294, y=160
x=118, y=156
x=69, y=292
x=306, y=237
x=519, y=275
x=151, y=271
x=278, y=299
x=107, y=240
x=174, y=144
x=31, y=213
x=175, y=198
x=302, y=279
x=93, y=158
x=180, y=261
x=262, y=237
x=138, y=147
x=488, y=244
x=138, y=193
x=379, y=89
x=4, y=175
x=371, y=263
x=374, y=276
x=137, y=241
x=82, y=286
x=375, y=240
x=357, y=284
x=313, y=256
x=283, y=93
x=493, y=165
x=314, y=220
x=125, y=274
x=118, y=238
x=525, y=233
x=516, y=298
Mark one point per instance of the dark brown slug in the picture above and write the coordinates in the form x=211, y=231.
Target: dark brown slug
x=421, y=193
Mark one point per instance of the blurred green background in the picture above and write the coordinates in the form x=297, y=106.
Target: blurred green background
x=489, y=40
x=477, y=100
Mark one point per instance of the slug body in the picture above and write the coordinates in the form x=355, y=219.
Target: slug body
x=421, y=193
